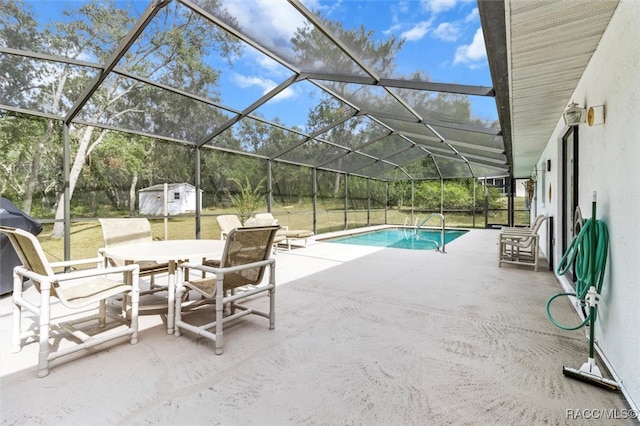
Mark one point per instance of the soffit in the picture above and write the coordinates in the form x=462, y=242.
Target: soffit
x=550, y=44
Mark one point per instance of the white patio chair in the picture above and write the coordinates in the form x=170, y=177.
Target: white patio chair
x=238, y=276
x=520, y=246
x=284, y=234
x=120, y=231
x=228, y=222
x=80, y=291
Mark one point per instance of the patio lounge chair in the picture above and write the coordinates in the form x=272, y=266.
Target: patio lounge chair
x=238, y=276
x=284, y=233
x=120, y=231
x=229, y=222
x=520, y=246
x=81, y=291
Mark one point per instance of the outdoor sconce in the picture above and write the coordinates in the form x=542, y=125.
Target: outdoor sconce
x=595, y=115
x=575, y=115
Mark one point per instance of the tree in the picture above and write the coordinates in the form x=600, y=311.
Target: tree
x=312, y=46
x=20, y=79
x=170, y=51
x=248, y=199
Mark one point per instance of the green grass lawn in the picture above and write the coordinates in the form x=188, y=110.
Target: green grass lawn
x=86, y=236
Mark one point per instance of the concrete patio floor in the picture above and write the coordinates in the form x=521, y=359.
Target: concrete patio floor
x=364, y=336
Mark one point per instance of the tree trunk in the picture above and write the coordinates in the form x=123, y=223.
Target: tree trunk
x=336, y=187
x=132, y=195
x=35, y=168
x=76, y=169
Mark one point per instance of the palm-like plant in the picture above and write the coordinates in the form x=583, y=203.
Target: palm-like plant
x=248, y=199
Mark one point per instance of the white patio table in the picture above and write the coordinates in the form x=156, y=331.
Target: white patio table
x=172, y=251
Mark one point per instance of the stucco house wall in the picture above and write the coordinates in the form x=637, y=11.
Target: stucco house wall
x=609, y=163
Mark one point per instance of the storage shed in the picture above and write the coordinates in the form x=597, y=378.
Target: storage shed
x=181, y=198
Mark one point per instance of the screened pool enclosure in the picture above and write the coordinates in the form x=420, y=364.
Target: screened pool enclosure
x=101, y=99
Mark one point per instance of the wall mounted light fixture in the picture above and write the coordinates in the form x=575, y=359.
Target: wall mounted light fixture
x=575, y=115
x=595, y=115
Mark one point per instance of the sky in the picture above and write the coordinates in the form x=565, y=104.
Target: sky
x=441, y=37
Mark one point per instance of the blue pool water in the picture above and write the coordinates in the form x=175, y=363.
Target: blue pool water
x=400, y=238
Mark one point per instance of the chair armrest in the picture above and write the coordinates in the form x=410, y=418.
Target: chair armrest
x=85, y=273
x=64, y=263
x=82, y=273
x=218, y=271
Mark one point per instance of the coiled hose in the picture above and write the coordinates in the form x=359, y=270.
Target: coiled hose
x=589, y=249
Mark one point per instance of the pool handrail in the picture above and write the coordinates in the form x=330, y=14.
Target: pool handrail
x=442, y=221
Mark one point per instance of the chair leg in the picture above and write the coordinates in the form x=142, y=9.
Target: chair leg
x=178, y=309
x=102, y=314
x=534, y=248
x=45, y=317
x=272, y=297
x=219, y=315
x=16, y=338
x=135, y=304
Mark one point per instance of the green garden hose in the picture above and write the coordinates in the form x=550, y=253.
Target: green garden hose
x=589, y=250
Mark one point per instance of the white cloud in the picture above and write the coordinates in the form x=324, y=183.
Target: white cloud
x=269, y=64
x=417, y=32
x=404, y=6
x=472, y=16
x=437, y=6
x=472, y=54
x=447, y=31
x=393, y=29
x=264, y=84
x=270, y=25
x=326, y=9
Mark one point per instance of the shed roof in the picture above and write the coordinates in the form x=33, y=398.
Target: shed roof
x=160, y=187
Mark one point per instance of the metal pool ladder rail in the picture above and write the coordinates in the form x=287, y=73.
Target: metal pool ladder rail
x=441, y=216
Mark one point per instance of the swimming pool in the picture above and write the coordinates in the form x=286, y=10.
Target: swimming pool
x=404, y=238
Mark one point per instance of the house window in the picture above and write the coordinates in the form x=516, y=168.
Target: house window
x=176, y=195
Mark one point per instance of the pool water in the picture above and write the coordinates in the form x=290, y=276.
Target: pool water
x=400, y=238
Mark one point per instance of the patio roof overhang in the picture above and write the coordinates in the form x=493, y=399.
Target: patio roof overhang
x=538, y=51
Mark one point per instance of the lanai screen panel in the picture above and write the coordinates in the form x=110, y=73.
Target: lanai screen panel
x=300, y=44
x=453, y=108
x=84, y=31
x=306, y=107
x=253, y=136
x=223, y=73
x=350, y=162
x=453, y=167
x=370, y=99
x=145, y=108
x=192, y=63
x=313, y=152
x=422, y=168
x=39, y=85
x=479, y=170
x=354, y=132
x=385, y=146
x=377, y=169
